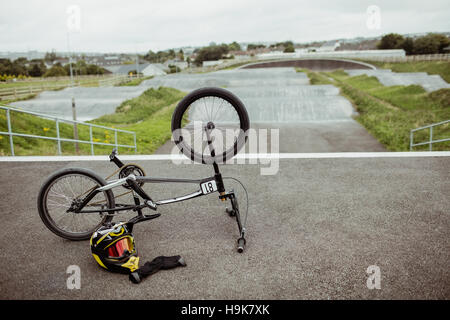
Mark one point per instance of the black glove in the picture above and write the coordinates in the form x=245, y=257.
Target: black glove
x=151, y=267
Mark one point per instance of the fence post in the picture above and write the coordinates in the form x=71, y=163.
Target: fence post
x=431, y=138
x=135, y=146
x=58, y=137
x=115, y=139
x=90, y=139
x=411, y=136
x=11, y=142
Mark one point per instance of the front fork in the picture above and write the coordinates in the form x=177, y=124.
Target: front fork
x=234, y=212
x=226, y=195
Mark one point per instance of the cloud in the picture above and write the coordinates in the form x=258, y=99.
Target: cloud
x=160, y=24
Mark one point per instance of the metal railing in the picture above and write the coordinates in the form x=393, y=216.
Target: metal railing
x=37, y=86
x=430, y=140
x=58, y=138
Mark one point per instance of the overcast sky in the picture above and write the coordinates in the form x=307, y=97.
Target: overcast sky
x=135, y=25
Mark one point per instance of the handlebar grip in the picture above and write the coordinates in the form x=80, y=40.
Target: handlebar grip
x=241, y=245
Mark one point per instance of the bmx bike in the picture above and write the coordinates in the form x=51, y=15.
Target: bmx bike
x=209, y=126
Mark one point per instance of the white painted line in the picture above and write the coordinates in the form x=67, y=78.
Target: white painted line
x=178, y=157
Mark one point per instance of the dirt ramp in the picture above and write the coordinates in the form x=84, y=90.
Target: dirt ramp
x=312, y=64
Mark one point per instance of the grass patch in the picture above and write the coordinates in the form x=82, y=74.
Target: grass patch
x=140, y=108
x=149, y=115
x=134, y=82
x=315, y=77
x=389, y=113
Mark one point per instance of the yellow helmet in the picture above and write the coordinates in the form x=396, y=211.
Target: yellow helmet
x=113, y=248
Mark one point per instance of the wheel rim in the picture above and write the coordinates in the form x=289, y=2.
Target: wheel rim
x=227, y=134
x=60, y=195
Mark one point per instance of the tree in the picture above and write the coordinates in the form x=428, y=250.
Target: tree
x=181, y=55
x=211, y=53
x=19, y=67
x=160, y=56
x=430, y=44
x=50, y=56
x=234, y=46
x=391, y=41
x=37, y=68
x=252, y=46
x=289, y=48
x=408, y=45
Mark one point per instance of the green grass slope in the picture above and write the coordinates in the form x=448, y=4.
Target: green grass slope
x=148, y=115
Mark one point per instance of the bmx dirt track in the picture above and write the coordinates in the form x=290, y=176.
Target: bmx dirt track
x=312, y=64
x=313, y=230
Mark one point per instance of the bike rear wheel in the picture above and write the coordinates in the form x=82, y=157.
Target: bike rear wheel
x=210, y=106
x=61, y=191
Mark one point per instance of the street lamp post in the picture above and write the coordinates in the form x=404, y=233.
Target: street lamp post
x=74, y=111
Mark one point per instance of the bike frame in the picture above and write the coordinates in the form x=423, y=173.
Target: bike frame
x=133, y=182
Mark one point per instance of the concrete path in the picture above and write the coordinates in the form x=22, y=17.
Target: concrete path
x=313, y=230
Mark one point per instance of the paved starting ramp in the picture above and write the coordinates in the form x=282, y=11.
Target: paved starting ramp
x=314, y=228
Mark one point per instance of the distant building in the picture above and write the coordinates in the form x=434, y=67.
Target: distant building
x=103, y=61
x=328, y=46
x=62, y=61
x=147, y=69
x=126, y=68
x=154, y=70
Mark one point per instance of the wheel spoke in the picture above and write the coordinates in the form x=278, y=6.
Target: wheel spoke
x=60, y=196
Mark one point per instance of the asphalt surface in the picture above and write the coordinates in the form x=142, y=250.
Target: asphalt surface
x=313, y=230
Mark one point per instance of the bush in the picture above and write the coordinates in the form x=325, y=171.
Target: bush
x=173, y=68
x=56, y=71
x=214, y=52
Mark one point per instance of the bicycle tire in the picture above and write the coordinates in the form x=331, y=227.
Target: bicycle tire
x=190, y=99
x=43, y=208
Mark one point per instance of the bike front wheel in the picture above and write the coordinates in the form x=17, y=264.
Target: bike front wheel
x=61, y=191
x=226, y=117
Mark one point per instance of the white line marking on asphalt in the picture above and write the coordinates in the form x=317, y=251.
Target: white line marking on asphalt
x=324, y=155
